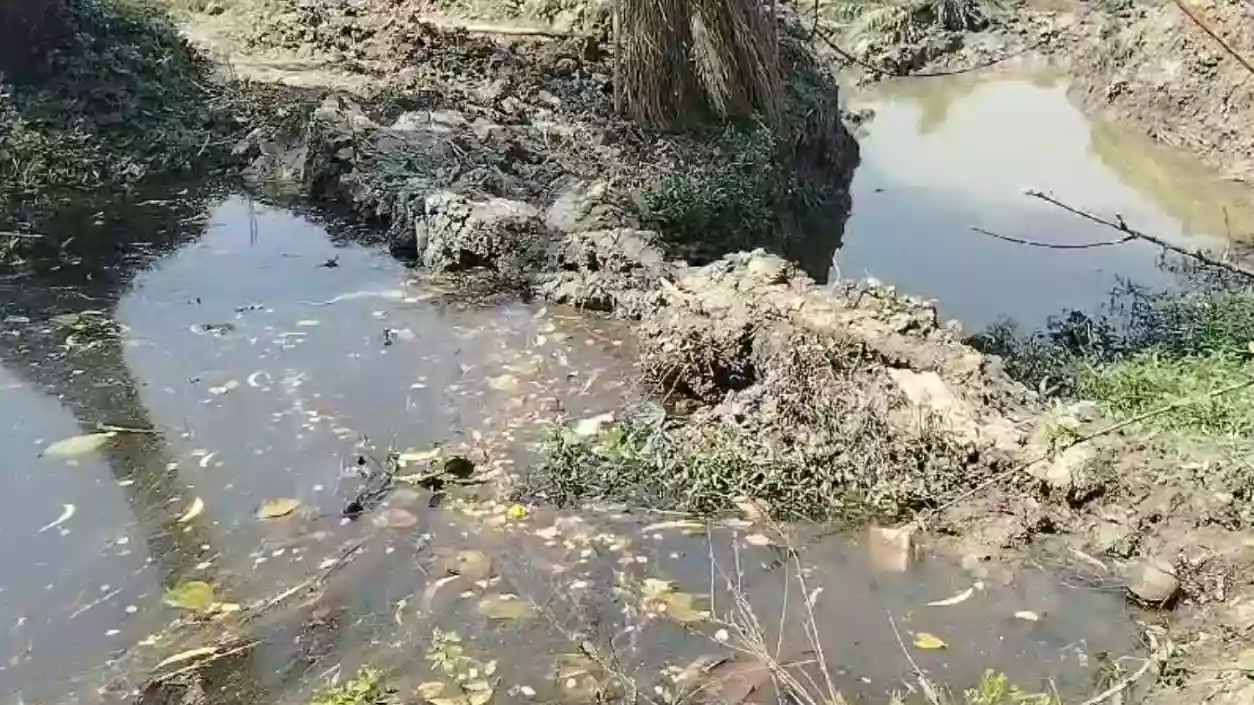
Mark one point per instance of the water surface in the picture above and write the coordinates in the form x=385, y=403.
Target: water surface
x=943, y=155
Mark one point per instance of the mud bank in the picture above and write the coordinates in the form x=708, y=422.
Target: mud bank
x=1151, y=65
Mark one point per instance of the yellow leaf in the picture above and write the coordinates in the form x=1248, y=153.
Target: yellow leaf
x=193, y=511
x=516, y=511
x=193, y=595
x=929, y=642
x=78, y=445
x=67, y=511
x=430, y=689
x=680, y=606
x=187, y=656
x=275, y=508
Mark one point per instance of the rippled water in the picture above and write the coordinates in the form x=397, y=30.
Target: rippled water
x=944, y=155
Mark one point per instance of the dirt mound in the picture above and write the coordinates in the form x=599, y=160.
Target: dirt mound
x=1151, y=65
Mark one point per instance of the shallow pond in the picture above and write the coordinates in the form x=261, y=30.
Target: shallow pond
x=943, y=155
x=243, y=354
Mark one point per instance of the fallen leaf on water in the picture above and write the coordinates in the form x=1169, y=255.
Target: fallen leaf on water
x=474, y=565
x=1028, y=616
x=929, y=642
x=186, y=656
x=193, y=595
x=505, y=607
x=193, y=511
x=275, y=508
x=592, y=426
x=428, y=595
x=516, y=511
x=503, y=383
x=478, y=692
x=411, y=457
x=67, y=511
x=956, y=599
x=890, y=549
x=685, y=525
x=430, y=689
x=398, y=518
x=660, y=596
x=78, y=445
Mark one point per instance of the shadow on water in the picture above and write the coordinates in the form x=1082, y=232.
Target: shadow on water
x=272, y=360
x=942, y=155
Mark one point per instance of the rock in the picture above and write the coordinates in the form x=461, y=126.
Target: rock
x=584, y=206
x=456, y=233
x=1153, y=581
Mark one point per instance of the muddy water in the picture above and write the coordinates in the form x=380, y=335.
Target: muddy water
x=943, y=155
x=253, y=356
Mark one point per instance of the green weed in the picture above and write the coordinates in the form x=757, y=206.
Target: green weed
x=366, y=688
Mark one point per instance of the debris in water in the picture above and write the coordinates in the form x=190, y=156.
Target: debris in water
x=67, y=511
x=192, y=595
x=1028, y=616
x=193, y=511
x=275, y=508
x=929, y=642
x=78, y=445
x=228, y=386
x=956, y=599
x=660, y=597
x=187, y=656
x=516, y=511
x=890, y=549
x=759, y=540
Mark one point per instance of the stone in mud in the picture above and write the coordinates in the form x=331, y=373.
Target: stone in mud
x=614, y=269
x=1153, y=581
x=1078, y=473
x=456, y=233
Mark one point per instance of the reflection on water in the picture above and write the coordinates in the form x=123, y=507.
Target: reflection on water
x=259, y=358
x=944, y=154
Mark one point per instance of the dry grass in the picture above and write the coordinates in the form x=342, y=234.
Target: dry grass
x=679, y=57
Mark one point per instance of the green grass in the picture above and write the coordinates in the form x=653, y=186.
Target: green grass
x=1153, y=379
x=366, y=688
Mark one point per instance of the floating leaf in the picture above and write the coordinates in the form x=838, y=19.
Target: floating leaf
x=428, y=595
x=67, y=511
x=193, y=511
x=398, y=518
x=929, y=642
x=186, y=656
x=660, y=596
x=1028, y=616
x=956, y=599
x=516, y=511
x=431, y=689
x=193, y=595
x=505, y=607
x=412, y=457
x=78, y=445
x=275, y=508
x=479, y=696
x=473, y=565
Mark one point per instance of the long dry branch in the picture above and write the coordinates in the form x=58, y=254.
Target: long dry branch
x=1119, y=224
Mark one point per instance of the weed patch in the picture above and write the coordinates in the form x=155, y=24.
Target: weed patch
x=112, y=95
